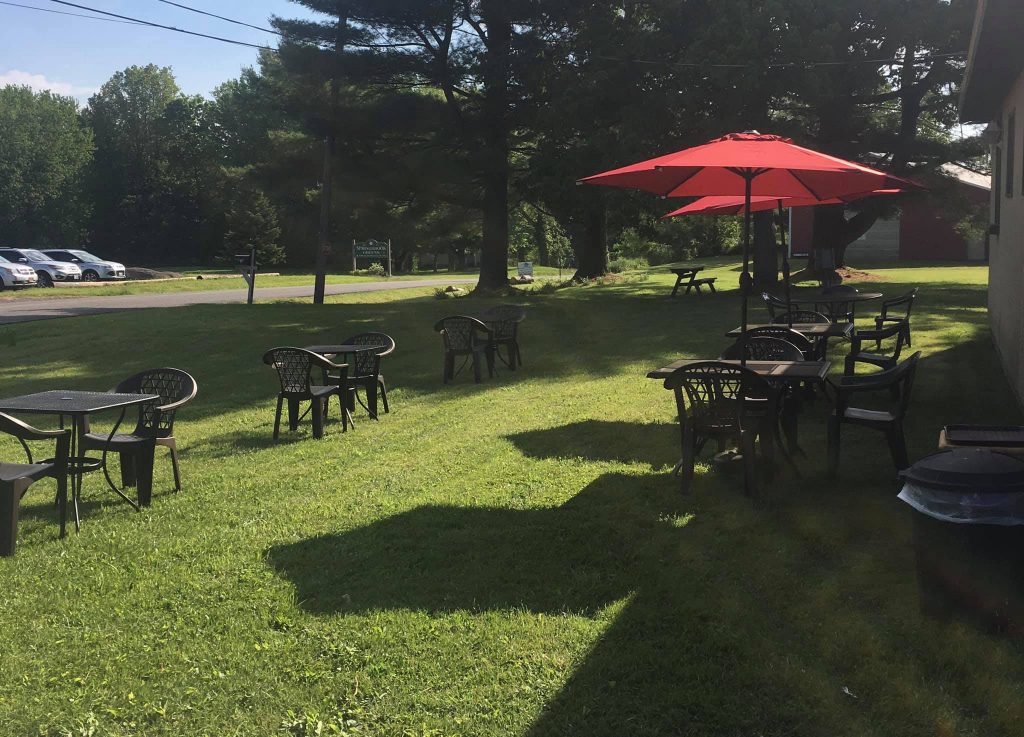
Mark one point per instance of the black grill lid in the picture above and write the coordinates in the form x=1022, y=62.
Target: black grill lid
x=973, y=469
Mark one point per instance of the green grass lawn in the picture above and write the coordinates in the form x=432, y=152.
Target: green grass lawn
x=285, y=279
x=512, y=558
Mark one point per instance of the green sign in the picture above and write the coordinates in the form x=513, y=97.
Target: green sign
x=371, y=250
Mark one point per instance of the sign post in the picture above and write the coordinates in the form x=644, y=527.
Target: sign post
x=372, y=250
x=246, y=264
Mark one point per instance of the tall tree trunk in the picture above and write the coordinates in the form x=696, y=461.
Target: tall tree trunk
x=540, y=238
x=494, y=249
x=766, y=260
x=592, y=252
x=323, y=245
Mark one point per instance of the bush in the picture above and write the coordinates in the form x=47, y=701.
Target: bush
x=618, y=265
x=376, y=270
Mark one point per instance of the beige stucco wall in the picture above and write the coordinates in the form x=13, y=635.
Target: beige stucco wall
x=1006, y=254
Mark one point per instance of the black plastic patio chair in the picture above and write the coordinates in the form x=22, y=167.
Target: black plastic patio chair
x=774, y=305
x=897, y=382
x=763, y=348
x=897, y=310
x=809, y=317
x=465, y=337
x=16, y=478
x=839, y=310
x=503, y=320
x=155, y=423
x=365, y=370
x=708, y=398
x=894, y=336
x=781, y=332
x=294, y=368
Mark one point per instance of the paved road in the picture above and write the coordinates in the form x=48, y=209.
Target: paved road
x=26, y=310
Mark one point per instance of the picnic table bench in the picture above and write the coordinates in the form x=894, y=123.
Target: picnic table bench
x=687, y=276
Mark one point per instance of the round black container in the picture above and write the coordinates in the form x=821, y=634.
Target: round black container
x=969, y=536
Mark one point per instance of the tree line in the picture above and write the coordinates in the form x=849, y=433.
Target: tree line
x=458, y=127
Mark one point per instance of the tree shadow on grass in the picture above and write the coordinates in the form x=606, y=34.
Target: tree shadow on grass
x=576, y=558
x=601, y=440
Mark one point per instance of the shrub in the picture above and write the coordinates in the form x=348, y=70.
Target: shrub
x=618, y=265
x=376, y=270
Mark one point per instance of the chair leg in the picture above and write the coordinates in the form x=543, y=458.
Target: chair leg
x=318, y=418
x=371, y=398
x=449, y=367
x=519, y=355
x=489, y=354
x=898, y=446
x=749, y=463
x=384, y=395
x=688, y=459
x=476, y=367
x=10, y=500
x=129, y=476
x=172, y=446
x=834, y=425
x=277, y=417
x=293, y=414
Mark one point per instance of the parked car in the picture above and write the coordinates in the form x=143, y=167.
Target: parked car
x=93, y=268
x=48, y=270
x=16, y=275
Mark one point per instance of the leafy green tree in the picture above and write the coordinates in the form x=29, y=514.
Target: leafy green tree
x=44, y=152
x=156, y=172
x=251, y=222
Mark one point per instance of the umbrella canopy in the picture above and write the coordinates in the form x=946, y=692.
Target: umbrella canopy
x=750, y=165
x=731, y=205
x=776, y=166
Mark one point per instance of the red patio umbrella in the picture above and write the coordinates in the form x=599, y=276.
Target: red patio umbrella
x=725, y=205
x=749, y=165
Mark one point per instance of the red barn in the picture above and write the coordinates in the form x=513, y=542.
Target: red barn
x=921, y=231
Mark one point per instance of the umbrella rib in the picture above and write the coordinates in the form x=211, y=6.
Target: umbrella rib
x=805, y=185
x=681, y=182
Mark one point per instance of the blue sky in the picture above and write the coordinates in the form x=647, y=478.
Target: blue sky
x=75, y=56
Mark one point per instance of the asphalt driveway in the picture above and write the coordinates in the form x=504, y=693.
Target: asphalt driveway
x=27, y=310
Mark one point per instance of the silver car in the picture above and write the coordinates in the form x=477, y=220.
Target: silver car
x=49, y=271
x=93, y=268
x=16, y=275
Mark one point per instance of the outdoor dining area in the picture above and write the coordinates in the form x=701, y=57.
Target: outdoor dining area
x=750, y=397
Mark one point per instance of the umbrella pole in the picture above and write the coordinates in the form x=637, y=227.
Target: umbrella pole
x=745, y=279
x=785, y=264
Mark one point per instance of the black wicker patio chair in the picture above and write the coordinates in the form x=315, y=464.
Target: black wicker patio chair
x=469, y=338
x=294, y=368
x=837, y=311
x=155, y=424
x=894, y=336
x=763, y=348
x=897, y=382
x=364, y=371
x=897, y=310
x=503, y=320
x=16, y=478
x=708, y=398
x=801, y=341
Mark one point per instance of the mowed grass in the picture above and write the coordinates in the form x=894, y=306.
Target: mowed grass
x=512, y=558
x=264, y=281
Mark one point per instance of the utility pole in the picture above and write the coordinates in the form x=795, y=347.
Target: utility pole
x=323, y=245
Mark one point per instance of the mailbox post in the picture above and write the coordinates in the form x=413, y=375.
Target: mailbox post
x=246, y=264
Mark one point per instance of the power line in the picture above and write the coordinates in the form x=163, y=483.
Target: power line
x=220, y=17
x=167, y=28
x=782, y=64
x=75, y=15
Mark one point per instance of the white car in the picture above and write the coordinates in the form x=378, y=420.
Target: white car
x=16, y=275
x=93, y=268
x=48, y=270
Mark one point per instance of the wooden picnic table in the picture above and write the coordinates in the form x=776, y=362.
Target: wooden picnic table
x=812, y=330
x=686, y=276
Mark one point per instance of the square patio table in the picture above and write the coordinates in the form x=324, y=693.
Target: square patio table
x=78, y=405
x=785, y=371
x=811, y=330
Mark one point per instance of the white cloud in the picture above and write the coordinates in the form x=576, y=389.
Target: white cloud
x=39, y=82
